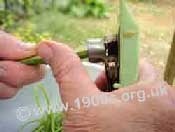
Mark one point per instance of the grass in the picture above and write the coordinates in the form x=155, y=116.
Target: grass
x=50, y=121
x=70, y=30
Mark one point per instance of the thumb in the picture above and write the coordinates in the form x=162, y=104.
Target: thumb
x=67, y=69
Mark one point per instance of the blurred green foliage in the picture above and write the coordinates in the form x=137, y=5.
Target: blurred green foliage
x=12, y=12
x=24, y=8
x=71, y=30
x=81, y=8
x=7, y=19
x=27, y=34
x=147, y=1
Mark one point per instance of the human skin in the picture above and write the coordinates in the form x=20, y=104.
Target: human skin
x=14, y=75
x=155, y=114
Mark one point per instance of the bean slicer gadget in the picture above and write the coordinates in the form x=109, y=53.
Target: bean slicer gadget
x=119, y=53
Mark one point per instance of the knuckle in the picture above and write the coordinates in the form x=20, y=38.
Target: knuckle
x=66, y=68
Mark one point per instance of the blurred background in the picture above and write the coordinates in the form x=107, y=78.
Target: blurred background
x=73, y=21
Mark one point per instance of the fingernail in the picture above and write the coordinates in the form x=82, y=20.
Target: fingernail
x=27, y=46
x=45, y=52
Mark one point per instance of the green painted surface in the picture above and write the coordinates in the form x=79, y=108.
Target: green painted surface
x=129, y=46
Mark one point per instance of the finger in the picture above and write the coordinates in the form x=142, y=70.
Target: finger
x=67, y=69
x=17, y=74
x=7, y=91
x=147, y=72
x=13, y=49
x=101, y=81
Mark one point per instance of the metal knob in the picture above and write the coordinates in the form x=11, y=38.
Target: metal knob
x=96, y=50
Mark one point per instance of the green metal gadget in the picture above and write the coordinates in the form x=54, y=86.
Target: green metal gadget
x=129, y=46
x=119, y=53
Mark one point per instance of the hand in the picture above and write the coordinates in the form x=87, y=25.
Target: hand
x=154, y=114
x=13, y=75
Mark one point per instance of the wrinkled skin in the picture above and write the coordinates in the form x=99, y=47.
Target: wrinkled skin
x=155, y=114
x=14, y=75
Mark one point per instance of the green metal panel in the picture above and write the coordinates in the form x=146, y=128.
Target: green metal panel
x=129, y=46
